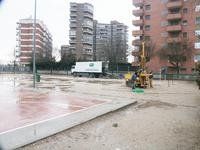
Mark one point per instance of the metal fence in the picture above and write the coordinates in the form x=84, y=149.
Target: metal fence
x=189, y=77
x=12, y=69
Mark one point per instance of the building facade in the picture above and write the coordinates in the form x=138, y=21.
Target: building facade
x=196, y=5
x=110, y=42
x=119, y=39
x=25, y=29
x=163, y=22
x=65, y=51
x=81, y=31
x=102, y=41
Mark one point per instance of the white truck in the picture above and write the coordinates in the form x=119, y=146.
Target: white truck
x=91, y=69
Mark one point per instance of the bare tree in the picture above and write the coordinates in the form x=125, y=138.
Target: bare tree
x=176, y=54
x=149, y=46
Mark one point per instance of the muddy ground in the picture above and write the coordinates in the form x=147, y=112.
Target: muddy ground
x=166, y=117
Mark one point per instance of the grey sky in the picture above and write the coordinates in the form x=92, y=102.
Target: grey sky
x=55, y=14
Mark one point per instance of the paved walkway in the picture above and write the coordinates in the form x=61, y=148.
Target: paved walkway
x=30, y=114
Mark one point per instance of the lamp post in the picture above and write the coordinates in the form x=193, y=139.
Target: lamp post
x=34, y=47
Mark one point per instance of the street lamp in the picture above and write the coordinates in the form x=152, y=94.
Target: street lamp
x=34, y=31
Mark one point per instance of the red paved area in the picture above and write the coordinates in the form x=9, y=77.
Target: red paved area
x=20, y=107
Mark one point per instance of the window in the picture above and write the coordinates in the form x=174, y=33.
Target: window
x=147, y=27
x=174, y=34
x=197, y=34
x=174, y=11
x=174, y=22
x=197, y=20
x=148, y=17
x=197, y=8
x=197, y=45
x=147, y=7
x=184, y=22
x=185, y=10
x=185, y=35
x=197, y=58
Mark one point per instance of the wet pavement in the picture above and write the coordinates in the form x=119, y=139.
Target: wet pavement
x=166, y=117
x=22, y=105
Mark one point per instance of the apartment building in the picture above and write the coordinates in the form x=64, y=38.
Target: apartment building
x=102, y=41
x=65, y=51
x=81, y=31
x=110, y=41
x=163, y=22
x=119, y=39
x=25, y=28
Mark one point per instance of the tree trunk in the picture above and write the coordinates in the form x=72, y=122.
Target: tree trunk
x=177, y=70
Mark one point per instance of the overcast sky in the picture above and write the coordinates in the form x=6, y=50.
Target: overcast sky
x=55, y=14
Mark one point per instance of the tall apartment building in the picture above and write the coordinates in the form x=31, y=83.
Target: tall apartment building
x=81, y=31
x=102, y=41
x=64, y=51
x=164, y=22
x=110, y=41
x=25, y=41
x=119, y=39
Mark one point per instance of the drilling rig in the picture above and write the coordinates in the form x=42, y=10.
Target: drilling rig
x=143, y=77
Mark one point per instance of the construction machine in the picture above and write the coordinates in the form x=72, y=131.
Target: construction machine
x=142, y=79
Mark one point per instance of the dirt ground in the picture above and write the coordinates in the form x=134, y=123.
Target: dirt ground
x=166, y=117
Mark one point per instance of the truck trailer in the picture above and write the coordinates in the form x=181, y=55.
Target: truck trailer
x=89, y=69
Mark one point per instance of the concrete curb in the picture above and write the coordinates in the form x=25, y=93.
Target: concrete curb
x=18, y=137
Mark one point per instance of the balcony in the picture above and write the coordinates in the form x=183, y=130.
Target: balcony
x=138, y=22
x=173, y=39
x=87, y=25
x=138, y=3
x=137, y=33
x=73, y=15
x=72, y=47
x=89, y=10
x=174, y=28
x=138, y=12
x=73, y=20
x=174, y=4
x=174, y=16
x=137, y=42
x=87, y=31
x=87, y=15
x=73, y=9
